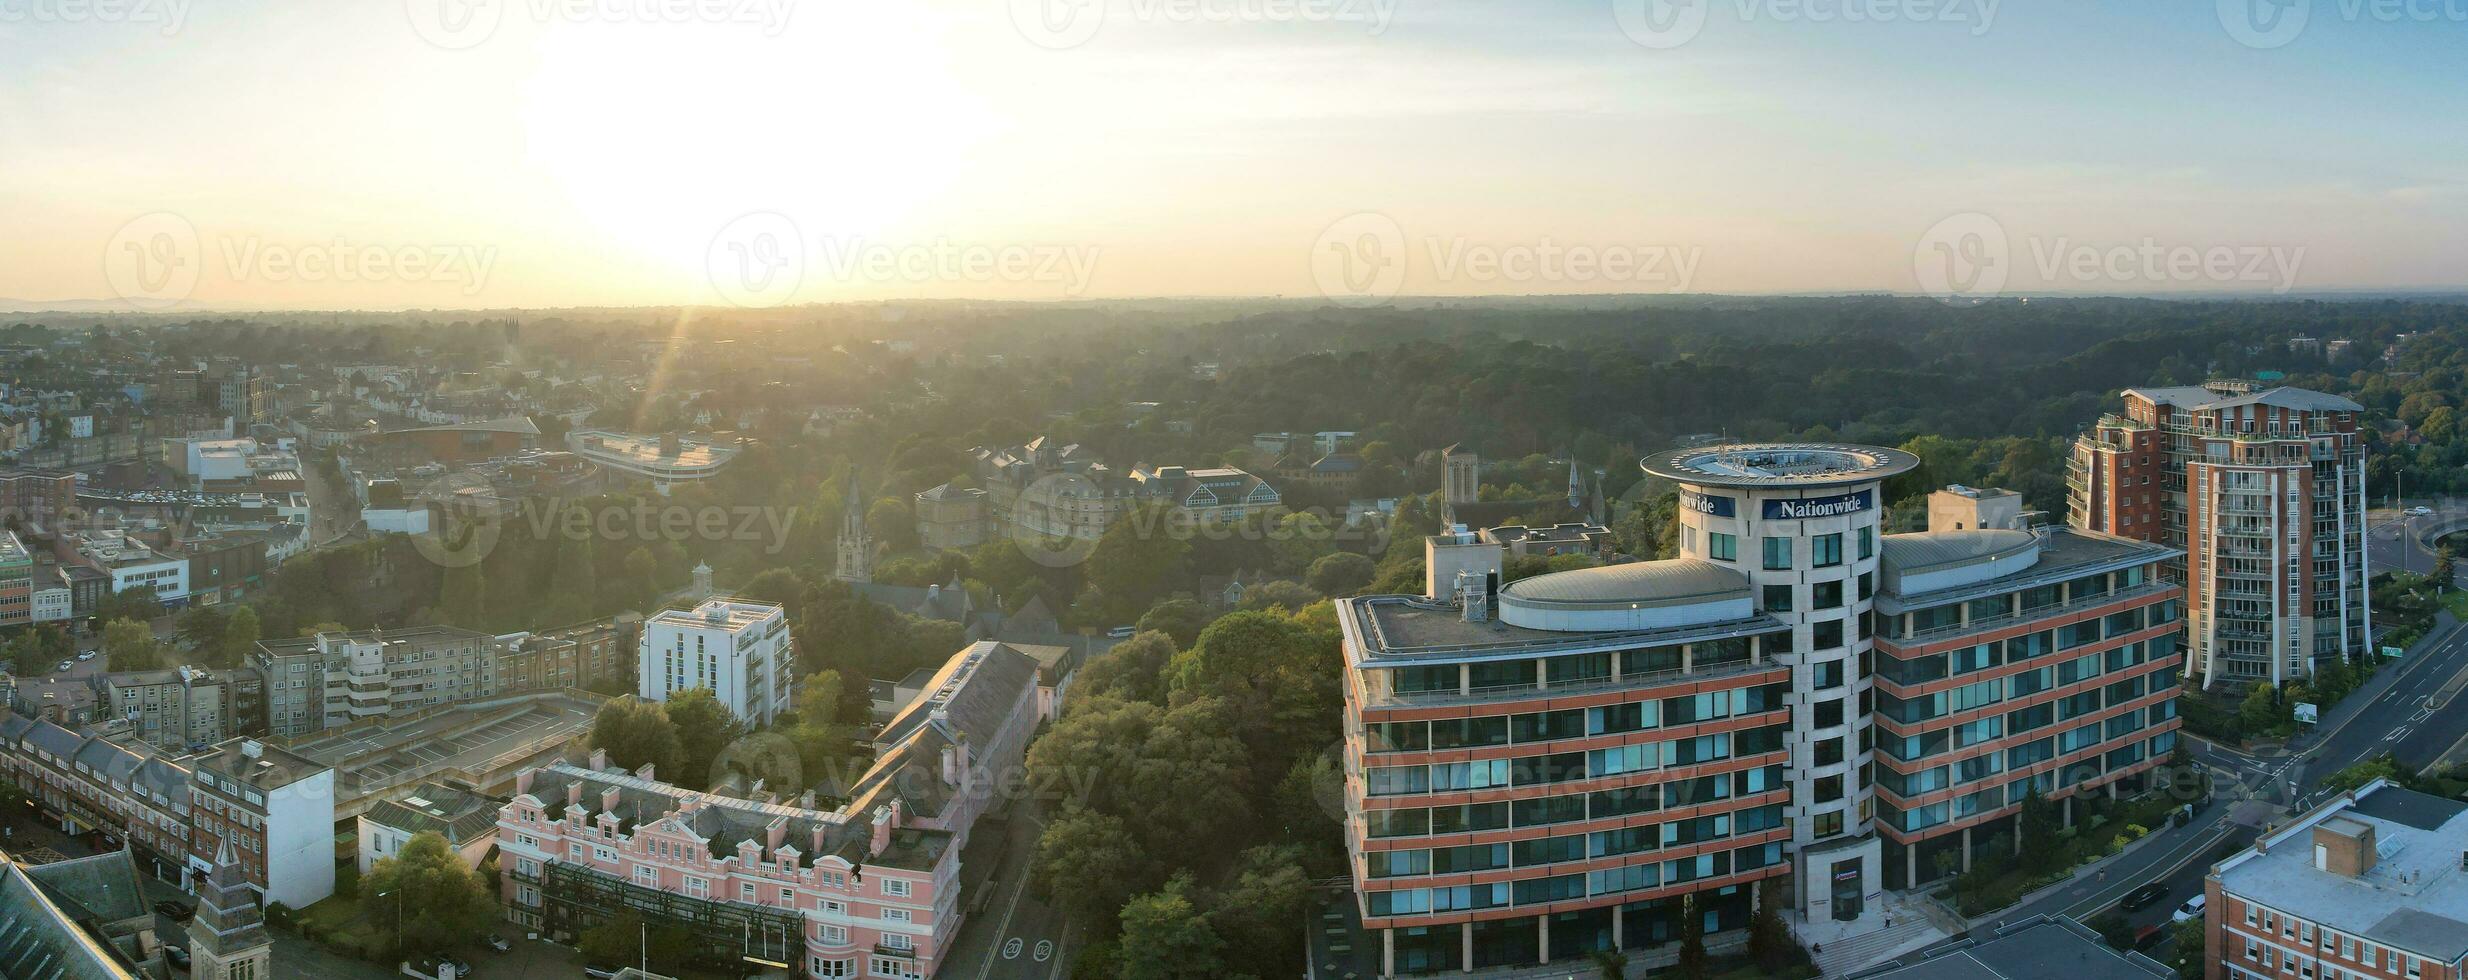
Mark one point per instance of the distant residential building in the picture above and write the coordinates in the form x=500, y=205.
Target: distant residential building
x=664, y=460
x=579, y=656
x=130, y=564
x=2372, y=884
x=1046, y=489
x=276, y=812
x=49, y=597
x=38, y=498
x=951, y=518
x=171, y=708
x=738, y=648
x=16, y=582
x=1573, y=538
x=2265, y=493
x=275, y=809
x=333, y=679
x=466, y=820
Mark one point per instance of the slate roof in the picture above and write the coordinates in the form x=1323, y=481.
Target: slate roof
x=40, y=940
x=102, y=886
x=457, y=815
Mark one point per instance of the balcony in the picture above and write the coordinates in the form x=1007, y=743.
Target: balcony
x=2051, y=611
x=1634, y=681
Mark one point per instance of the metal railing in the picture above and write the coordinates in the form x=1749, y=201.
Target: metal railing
x=2050, y=611
x=1637, y=679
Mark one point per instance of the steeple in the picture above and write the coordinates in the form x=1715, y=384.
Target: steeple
x=227, y=940
x=856, y=547
x=1576, y=485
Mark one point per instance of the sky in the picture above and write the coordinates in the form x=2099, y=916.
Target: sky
x=478, y=154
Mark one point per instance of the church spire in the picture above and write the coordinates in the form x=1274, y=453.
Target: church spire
x=228, y=938
x=856, y=547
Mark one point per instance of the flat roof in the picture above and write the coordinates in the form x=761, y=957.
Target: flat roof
x=1780, y=464
x=2065, y=553
x=1406, y=630
x=2040, y=948
x=1649, y=582
x=2412, y=899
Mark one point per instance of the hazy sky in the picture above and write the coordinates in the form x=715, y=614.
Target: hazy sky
x=486, y=153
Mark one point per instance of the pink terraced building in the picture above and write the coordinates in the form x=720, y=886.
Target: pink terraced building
x=870, y=889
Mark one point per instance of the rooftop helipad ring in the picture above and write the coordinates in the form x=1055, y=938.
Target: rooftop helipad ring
x=1780, y=464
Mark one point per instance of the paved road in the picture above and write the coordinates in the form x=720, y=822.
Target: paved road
x=1013, y=934
x=2249, y=789
x=2391, y=541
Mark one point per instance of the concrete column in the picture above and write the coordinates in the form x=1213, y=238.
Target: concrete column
x=1618, y=941
x=1388, y=952
x=1688, y=657
x=1911, y=865
x=1966, y=850
x=1467, y=933
x=2112, y=789
x=1542, y=936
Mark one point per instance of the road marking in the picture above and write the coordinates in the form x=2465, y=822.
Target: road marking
x=1011, y=948
x=1045, y=949
x=2397, y=733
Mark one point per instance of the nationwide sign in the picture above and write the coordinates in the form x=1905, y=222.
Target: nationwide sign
x=1803, y=508
x=1706, y=503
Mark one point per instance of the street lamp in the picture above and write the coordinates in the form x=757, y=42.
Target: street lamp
x=398, y=916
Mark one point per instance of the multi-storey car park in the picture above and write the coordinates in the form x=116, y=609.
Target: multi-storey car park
x=1572, y=761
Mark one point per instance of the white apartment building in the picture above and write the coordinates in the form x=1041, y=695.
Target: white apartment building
x=738, y=648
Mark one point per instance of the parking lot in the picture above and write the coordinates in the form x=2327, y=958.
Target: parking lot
x=471, y=739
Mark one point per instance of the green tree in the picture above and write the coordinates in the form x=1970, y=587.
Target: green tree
x=1693, y=964
x=1137, y=561
x=1282, y=670
x=1769, y=940
x=1181, y=619
x=2446, y=565
x=131, y=645
x=819, y=699
x=636, y=733
x=426, y=887
x=2190, y=936
x=641, y=581
x=26, y=655
x=1256, y=910
x=462, y=597
x=1611, y=964
x=240, y=636
x=1134, y=669
x=573, y=582
x=2038, y=824
x=1290, y=596
x=1090, y=864
x=2260, y=712
x=1166, y=937
x=1342, y=573
x=703, y=726
x=201, y=628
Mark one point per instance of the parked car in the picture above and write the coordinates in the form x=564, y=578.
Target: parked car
x=2420, y=511
x=2192, y=909
x=175, y=911
x=2144, y=897
x=600, y=972
x=499, y=943
x=179, y=958
x=64, y=666
x=462, y=967
x=88, y=655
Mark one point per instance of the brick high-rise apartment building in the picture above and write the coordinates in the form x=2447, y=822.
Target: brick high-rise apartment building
x=2265, y=492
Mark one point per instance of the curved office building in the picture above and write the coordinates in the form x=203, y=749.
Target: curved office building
x=1570, y=762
